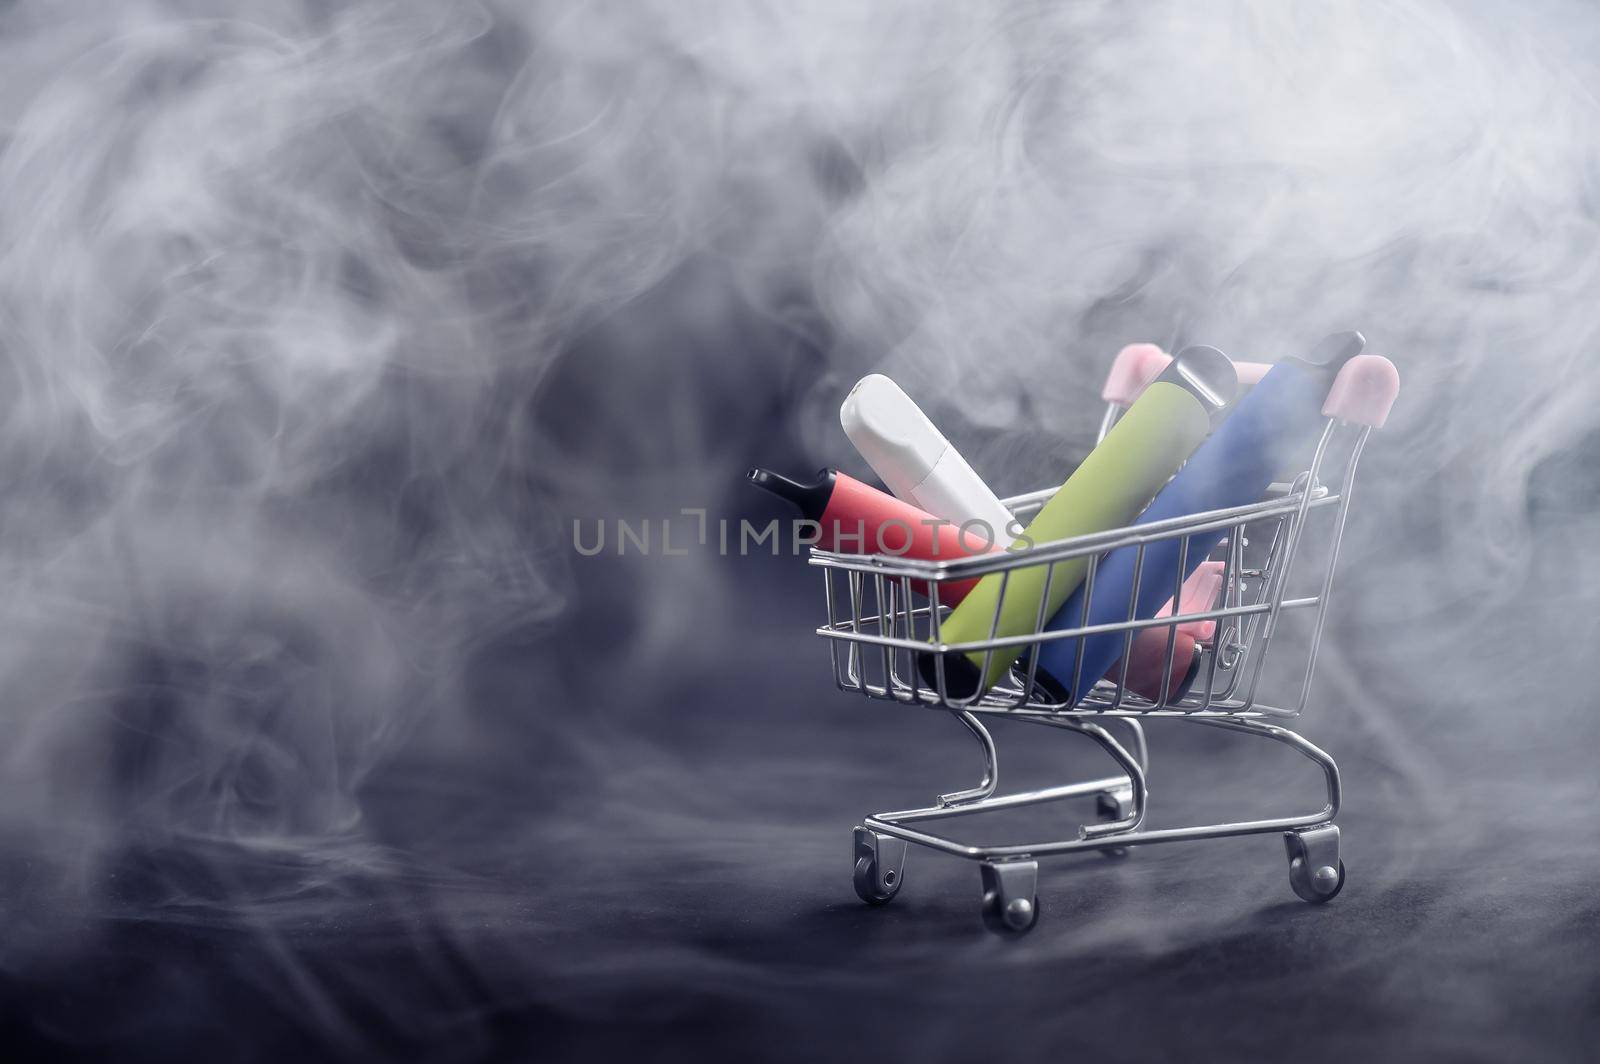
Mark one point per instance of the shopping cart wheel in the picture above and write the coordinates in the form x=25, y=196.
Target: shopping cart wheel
x=880, y=863
x=1316, y=872
x=1309, y=885
x=1010, y=896
x=1111, y=806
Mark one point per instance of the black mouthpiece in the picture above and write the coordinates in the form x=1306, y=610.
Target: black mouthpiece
x=1330, y=354
x=961, y=676
x=1208, y=375
x=812, y=499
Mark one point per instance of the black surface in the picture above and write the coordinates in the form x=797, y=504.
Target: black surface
x=673, y=883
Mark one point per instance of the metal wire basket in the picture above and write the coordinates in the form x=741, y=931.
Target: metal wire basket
x=883, y=620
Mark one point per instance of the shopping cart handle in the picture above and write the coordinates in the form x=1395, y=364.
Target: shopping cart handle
x=1364, y=391
x=1138, y=364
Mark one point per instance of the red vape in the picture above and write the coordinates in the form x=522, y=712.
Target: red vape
x=856, y=518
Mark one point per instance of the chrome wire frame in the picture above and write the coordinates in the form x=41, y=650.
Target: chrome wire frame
x=880, y=621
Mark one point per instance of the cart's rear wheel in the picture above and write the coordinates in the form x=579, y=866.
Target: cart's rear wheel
x=873, y=887
x=880, y=866
x=1316, y=886
x=1114, y=805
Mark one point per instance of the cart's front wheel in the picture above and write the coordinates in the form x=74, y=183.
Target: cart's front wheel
x=1010, y=896
x=880, y=866
x=1316, y=871
x=1316, y=886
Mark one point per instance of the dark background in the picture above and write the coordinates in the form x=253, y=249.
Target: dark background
x=322, y=325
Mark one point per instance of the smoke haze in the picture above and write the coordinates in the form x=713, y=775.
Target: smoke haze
x=320, y=324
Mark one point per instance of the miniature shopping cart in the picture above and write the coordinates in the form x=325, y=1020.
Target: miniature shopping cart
x=883, y=616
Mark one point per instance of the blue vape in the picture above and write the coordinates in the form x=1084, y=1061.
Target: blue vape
x=1268, y=432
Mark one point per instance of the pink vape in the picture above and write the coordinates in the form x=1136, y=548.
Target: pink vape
x=1149, y=650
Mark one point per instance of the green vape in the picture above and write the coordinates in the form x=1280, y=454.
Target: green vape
x=1118, y=479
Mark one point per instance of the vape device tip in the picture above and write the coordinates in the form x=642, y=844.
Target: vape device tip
x=773, y=482
x=889, y=429
x=812, y=499
x=1207, y=373
x=1335, y=350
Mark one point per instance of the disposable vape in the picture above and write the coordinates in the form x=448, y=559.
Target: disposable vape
x=915, y=460
x=1267, y=434
x=1138, y=455
x=1149, y=651
x=856, y=518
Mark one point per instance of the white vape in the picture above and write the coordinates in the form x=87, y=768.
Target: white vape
x=914, y=459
